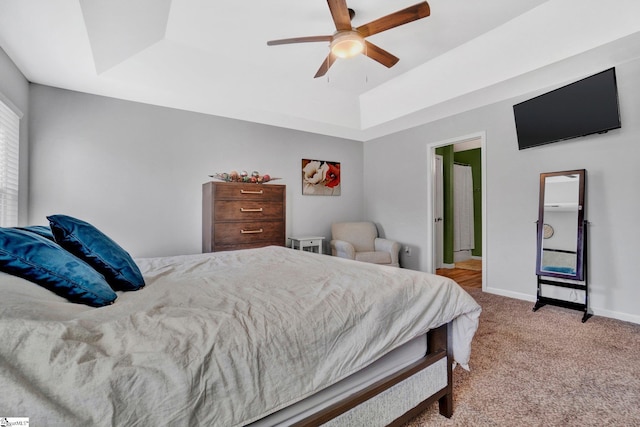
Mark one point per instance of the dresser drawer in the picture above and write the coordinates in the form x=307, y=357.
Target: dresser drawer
x=247, y=210
x=242, y=215
x=249, y=192
x=251, y=245
x=239, y=233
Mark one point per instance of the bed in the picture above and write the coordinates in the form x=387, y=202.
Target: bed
x=268, y=336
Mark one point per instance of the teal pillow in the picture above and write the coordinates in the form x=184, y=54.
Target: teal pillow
x=103, y=254
x=39, y=260
x=41, y=230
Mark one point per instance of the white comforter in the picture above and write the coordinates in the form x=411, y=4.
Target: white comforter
x=216, y=339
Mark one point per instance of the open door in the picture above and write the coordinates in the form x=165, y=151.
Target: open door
x=437, y=164
x=438, y=210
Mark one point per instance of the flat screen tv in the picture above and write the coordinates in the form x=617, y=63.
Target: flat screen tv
x=581, y=108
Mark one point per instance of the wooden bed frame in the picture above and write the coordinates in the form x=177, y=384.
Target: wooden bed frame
x=438, y=348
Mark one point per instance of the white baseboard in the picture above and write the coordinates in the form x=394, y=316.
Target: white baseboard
x=625, y=317
x=509, y=294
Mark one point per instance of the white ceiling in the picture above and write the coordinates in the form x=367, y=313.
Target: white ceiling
x=211, y=56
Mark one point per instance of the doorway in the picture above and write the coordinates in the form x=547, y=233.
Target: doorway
x=435, y=212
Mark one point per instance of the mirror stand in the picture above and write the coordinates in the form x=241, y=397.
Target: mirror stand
x=582, y=285
x=562, y=239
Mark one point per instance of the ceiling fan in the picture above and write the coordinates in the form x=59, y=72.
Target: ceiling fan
x=347, y=41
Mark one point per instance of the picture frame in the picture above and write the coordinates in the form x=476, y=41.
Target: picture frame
x=320, y=178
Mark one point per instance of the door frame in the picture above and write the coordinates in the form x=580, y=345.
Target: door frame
x=431, y=152
x=438, y=211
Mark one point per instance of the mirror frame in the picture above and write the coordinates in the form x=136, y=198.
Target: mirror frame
x=580, y=243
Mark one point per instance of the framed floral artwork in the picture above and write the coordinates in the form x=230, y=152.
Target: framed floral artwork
x=320, y=178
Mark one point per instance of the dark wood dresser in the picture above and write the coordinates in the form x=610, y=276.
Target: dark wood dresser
x=242, y=216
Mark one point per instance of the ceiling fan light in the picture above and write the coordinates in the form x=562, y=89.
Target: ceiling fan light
x=347, y=44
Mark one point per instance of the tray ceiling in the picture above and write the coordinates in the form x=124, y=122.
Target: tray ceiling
x=211, y=56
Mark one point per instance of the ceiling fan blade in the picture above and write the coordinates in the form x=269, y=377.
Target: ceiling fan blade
x=328, y=62
x=309, y=39
x=378, y=54
x=340, y=14
x=401, y=17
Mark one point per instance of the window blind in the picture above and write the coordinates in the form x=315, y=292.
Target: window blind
x=9, y=150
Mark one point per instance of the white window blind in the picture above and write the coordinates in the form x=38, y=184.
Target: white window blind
x=9, y=149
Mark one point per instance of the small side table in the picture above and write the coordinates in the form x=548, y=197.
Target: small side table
x=308, y=243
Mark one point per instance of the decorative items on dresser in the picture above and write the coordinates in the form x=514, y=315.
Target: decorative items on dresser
x=242, y=215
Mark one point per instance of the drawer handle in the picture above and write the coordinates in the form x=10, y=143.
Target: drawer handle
x=250, y=231
x=250, y=192
x=250, y=209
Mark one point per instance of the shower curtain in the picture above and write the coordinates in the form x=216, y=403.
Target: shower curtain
x=463, y=239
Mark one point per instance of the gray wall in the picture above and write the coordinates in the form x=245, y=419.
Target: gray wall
x=396, y=178
x=136, y=171
x=14, y=90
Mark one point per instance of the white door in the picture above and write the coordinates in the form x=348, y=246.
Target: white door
x=438, y=211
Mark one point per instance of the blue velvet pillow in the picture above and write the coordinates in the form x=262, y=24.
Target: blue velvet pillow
x=99, y=251
x=39, y=260
x=41, y=230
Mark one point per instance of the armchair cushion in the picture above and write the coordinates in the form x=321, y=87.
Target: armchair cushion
x=374, y=257
x=360, y=234
x=360, y=241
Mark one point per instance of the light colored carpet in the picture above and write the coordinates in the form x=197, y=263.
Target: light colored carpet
x=545, y=369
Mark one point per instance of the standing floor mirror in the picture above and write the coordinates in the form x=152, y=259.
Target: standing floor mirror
x=561, y=238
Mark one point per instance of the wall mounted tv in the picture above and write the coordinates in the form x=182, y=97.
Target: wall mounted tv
x=581, y=108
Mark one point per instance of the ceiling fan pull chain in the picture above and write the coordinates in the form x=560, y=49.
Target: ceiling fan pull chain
x=366, y=74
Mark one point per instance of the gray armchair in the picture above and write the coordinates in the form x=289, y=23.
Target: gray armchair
x=360, y=241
